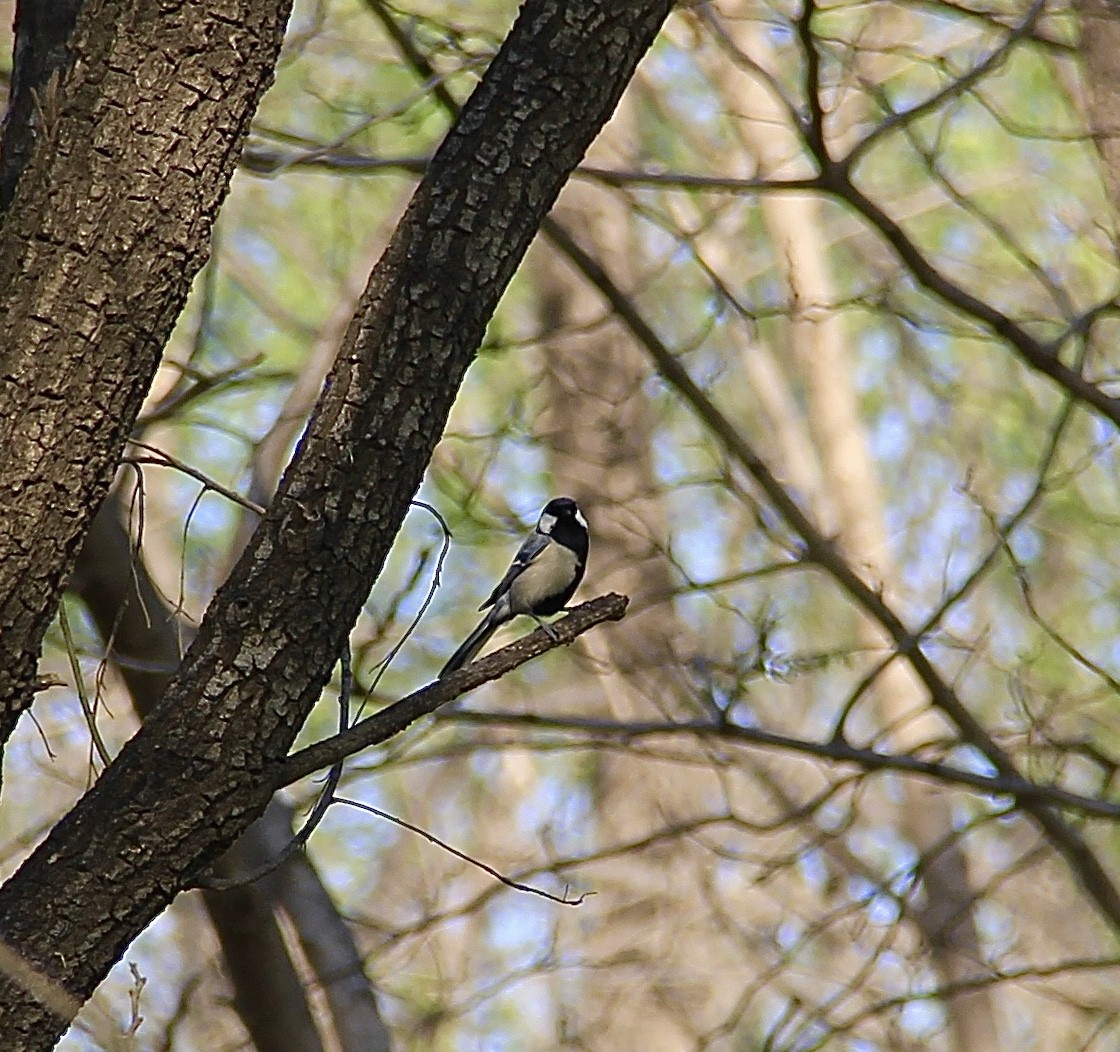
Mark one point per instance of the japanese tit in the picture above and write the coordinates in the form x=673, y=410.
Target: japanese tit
x=543, y=576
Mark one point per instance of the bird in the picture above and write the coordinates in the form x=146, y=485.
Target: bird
x=543, y=576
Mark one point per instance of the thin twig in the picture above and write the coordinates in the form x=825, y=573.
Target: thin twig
x=80, y=687
x=162, y=459
x=432, y=838
x=386, y=661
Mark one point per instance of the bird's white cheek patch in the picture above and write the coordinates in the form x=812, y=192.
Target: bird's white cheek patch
x=580, y=519
x=546, y=523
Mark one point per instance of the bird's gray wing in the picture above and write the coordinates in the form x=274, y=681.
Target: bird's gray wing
x=532, y=547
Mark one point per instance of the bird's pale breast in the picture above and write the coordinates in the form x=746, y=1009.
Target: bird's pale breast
x=548, y=574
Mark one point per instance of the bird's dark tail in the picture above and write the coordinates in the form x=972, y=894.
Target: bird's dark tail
x=470, y=646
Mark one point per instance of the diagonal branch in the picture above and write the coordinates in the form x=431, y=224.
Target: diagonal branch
x=836, y=177
x=395, y=718
x=197, y=773
x=954, y=89
x=1041, y=357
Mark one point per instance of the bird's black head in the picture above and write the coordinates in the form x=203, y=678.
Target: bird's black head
x=564, y=523
x=561, y=514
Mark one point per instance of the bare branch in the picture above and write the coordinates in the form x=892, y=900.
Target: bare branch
x=1019, y=789
x=433, y=839
x=392, y=720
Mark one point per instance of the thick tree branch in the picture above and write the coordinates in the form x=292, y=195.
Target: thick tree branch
x=143, y=636
x=196, y=774
x=134, y=150
x=130, y=613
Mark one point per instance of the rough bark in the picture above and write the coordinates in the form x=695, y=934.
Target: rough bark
x=131, y=614
x=134, y=151
x=194, y=777
x=42, y=28
x=266, y=987
x=147, y=640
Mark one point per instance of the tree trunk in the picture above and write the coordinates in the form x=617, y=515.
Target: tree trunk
x=197, y=773
x=110, y=222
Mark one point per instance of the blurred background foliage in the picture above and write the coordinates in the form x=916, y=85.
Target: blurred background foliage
x=738, y=898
